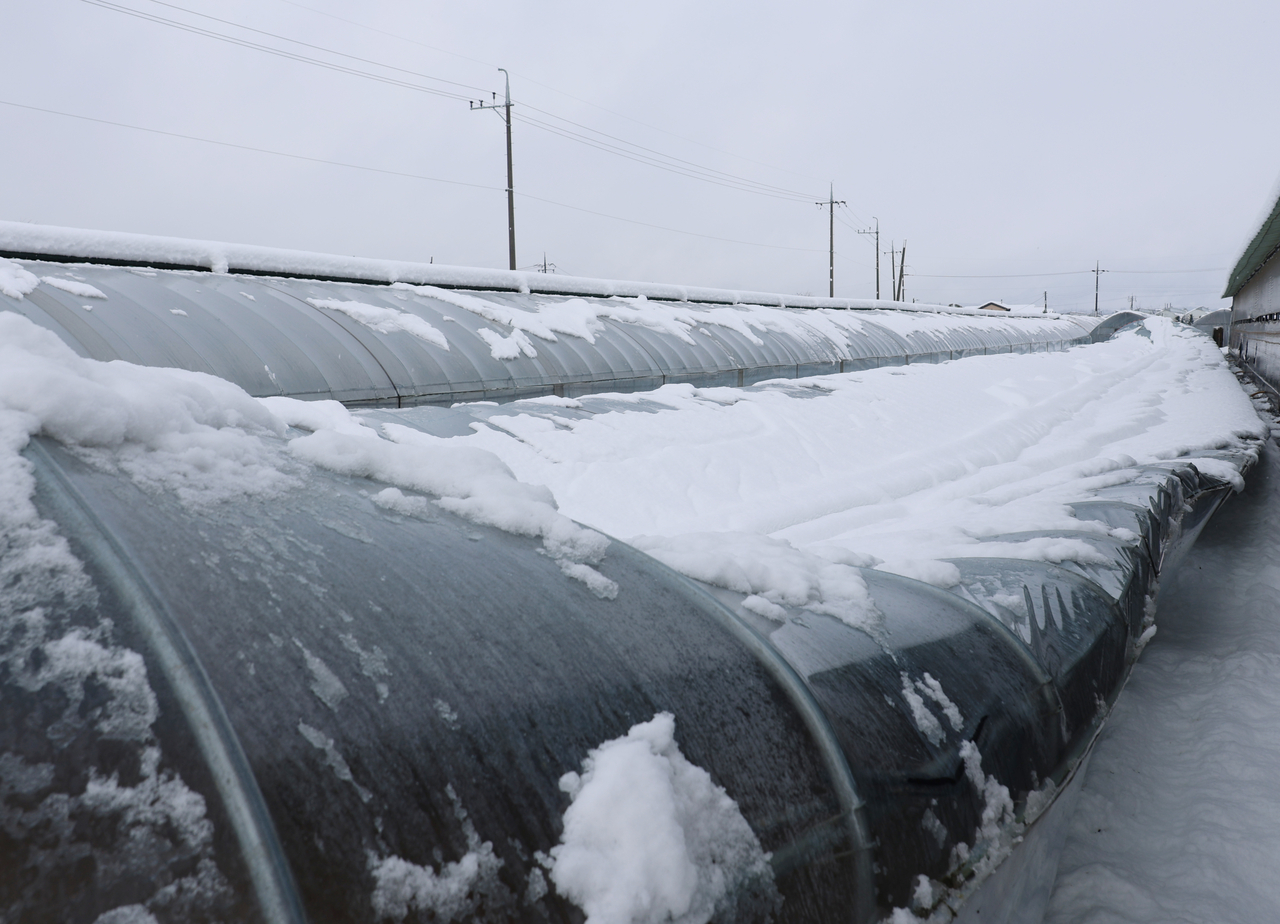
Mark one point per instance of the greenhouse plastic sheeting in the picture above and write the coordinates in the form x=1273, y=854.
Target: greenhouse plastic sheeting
x=343, y=694
x=402, y=345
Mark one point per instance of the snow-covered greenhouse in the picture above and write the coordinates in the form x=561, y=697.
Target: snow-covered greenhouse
x=288, y=636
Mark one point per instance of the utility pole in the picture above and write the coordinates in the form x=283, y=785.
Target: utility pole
x=902, y=272
x=876, y=232
x=893, y=271
x=831, y=204
x=1097, y=274
x=1046, y=301
x=505, y=115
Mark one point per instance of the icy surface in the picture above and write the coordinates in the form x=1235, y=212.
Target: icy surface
x=1178, y=818
x=772, y=490
x=64, y=825
x=650, y=838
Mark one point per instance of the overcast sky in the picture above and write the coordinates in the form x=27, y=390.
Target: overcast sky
x=997, y=138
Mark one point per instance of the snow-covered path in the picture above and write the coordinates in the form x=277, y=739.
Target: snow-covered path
x=1179, y=818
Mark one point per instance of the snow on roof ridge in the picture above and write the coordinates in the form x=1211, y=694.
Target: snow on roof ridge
x=23, y=240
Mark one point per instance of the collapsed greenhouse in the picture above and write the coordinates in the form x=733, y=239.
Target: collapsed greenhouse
x=289, y=660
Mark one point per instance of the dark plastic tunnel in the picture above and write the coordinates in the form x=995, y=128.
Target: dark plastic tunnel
x=252, y=712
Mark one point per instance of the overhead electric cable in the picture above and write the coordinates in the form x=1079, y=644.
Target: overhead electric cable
x=545, y=86
x=280, y=52
x=764, y=186
x=709, y=174
x=332, y=51
x=396, y=173
x=246, y=147
x=1083, y=272
x=705, y=174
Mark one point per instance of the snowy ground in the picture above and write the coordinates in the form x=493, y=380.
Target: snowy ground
x=1179, y=818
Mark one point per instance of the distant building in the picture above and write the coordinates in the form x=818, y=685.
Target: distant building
x=992, y=306
x=1254, y=289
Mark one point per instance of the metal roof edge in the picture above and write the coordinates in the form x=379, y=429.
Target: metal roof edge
x=1260, y=249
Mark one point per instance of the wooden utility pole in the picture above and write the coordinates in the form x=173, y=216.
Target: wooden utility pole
x=893, y=271
x=902, y=273
x=876, y=232
x=831, y=204
x=505, y=114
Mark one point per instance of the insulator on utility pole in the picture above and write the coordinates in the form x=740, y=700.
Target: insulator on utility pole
x=505, y=114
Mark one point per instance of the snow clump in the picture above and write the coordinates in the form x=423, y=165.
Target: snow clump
x=650, y=838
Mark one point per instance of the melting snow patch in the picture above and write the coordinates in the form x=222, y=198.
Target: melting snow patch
x=650, y=838
x=333, y=757
x=384, y=320
x=324, y=682
x=454, y=892
x=507, y=347
x=771, y=572
x=78, y=289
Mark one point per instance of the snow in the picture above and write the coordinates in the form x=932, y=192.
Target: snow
x=507, y=347
x=15, y=281
x=770, y=490
x=780, y=492
x=1178, y=817
x=206, y=440
x=79, y=289
x=650, y=838
x=332, y=757
x=451, y=893
x=91, y=688
x=221, y=257
x=384, y=320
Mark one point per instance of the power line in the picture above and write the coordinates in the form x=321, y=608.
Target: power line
x=768, y=187
x=396, y=173
x=290, y=55
x=651, y=157
x=1215, y=269
x=645, y=224
x=704, y=174
x=246, y=147
x=546, y=86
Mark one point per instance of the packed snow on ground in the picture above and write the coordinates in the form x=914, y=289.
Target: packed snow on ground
x=1178, y=817
x=778, y=490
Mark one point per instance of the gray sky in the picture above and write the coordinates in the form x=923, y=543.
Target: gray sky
x=997, y=138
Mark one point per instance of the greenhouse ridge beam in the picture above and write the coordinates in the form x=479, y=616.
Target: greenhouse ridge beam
x=71, y=245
